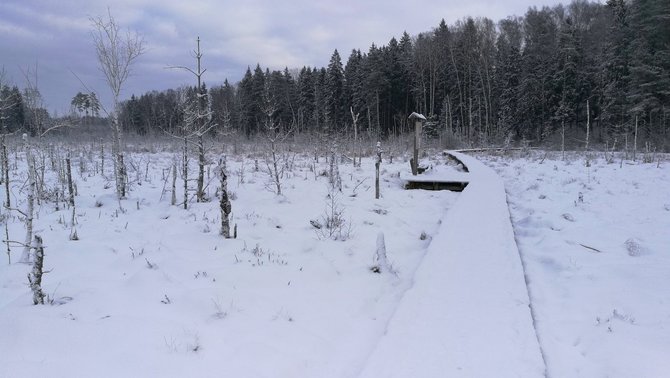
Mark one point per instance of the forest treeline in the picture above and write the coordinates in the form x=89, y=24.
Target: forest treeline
x=480, y=81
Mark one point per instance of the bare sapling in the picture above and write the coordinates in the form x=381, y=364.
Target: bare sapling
x=30, y=200
x=116, y=52
x=273, y=160
x=102, y=158
x=35, y=276
x=198, y=119
x=7, y=243
x=185, y=171
x=333, y=225
x=563, y=139
x=377, y=164
x=2, y=159
x=626, y=146
x=70, y=188
x=5, y=169
x=33, y=103
x=354, y=119
x=274, y=167
x=173, y=200
x=224, y=203
x=200, y=191
x=588, y=126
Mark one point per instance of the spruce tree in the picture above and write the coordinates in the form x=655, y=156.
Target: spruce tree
x=334, y=94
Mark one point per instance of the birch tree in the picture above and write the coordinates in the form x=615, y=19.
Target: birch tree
x=116, y=52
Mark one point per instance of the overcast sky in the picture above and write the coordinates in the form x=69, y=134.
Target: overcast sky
x=235, y=34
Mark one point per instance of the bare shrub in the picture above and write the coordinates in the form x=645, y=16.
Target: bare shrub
x=333, y=225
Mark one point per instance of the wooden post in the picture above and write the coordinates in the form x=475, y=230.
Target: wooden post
x=635, y=139
x=418, y=122
x=417, y=145
x=588, y=125
x=377, y=164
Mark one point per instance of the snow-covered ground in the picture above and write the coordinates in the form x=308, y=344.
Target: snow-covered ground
x=152, y=289
x=596, y=245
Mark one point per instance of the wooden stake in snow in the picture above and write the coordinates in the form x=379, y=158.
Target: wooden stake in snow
x=635, y=139
x=588, y=125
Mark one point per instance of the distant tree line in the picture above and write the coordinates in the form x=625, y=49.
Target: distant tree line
x=481, y=81
x=20, y=111
x=476, y=80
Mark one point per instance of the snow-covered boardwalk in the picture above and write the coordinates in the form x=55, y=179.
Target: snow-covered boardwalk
x=467, y=313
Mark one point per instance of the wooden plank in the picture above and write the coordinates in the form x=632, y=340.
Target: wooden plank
x=454, y=186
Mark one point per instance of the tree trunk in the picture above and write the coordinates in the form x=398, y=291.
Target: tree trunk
x=185, y=166
x=120, y=168
x=102, y=158
x=588, y=125
x=30, y=208
x=635, y=139
x=377, y=164
x=224, y=204
x=563, y=138
x=201, y=169
x=70, y=187
x=5, y=163
x=35, y=277
x=275, y=169
x=173, y=201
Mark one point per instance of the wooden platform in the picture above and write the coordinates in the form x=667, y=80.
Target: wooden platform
x=454, y=186
x=452, y=180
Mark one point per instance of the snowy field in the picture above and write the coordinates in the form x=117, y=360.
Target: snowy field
x=596, y=246
x=154, y=290
x=151, y=289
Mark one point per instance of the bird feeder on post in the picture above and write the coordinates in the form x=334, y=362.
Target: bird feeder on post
x=419, y=119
